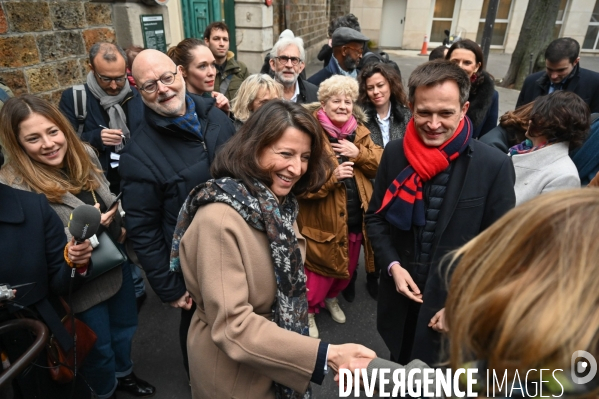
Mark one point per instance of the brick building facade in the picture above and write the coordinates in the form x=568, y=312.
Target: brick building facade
x=307, y=18
x=44, y=44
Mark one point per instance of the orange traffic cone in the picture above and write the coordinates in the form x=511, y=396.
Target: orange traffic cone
x=424, y=50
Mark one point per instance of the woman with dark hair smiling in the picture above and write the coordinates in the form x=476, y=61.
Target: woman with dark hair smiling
x=559, y=122
x=241, y=254
x=199, y=69
x=384, y=100
x=483, y=99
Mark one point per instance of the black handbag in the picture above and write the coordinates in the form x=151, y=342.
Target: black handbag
x=106, y=256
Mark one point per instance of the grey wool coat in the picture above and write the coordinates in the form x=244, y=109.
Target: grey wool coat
x=547, y=169
x=105, y=286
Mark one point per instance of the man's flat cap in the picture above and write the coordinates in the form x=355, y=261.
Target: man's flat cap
x=346, y=35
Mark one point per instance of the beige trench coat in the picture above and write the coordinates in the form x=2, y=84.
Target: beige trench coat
x=235, y=350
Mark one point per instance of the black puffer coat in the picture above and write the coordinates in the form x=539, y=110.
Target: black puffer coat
x=159, y=168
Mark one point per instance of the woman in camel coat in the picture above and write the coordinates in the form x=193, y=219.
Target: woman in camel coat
x=332, y=218
x=241, y=254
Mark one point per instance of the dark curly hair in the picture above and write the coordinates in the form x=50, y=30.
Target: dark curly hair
x=239, y=158
x=560, y=116
x=398, y=94
x=516, y=122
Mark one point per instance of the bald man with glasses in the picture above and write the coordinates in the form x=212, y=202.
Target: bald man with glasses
x=169, y=155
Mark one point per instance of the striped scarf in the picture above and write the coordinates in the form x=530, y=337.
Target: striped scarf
x=403, y=204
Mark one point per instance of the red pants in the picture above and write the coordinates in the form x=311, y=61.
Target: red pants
x=321, y=287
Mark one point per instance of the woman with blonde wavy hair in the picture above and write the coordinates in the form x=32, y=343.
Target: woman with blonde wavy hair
x=524, y=295
x=331, y=219
x=254, y=92
x=44, y=155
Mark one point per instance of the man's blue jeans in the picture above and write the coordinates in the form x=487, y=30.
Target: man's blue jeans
x=114, y=321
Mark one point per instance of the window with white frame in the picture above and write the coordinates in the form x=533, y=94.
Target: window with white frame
x=592, y=36
x=444, y=14
x=561, y=15
x=502, y=21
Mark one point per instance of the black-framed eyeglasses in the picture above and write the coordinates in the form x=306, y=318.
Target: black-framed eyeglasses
x=167, y=79
x=106, y=79
x=284, y=59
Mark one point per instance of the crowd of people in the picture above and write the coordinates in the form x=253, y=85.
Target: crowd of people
x=247, y=199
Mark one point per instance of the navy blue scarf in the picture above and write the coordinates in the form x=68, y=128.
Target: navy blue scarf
x=188, y=122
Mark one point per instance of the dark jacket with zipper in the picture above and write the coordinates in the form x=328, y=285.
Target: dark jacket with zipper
x=159, y=168
x=133, y=107
x=480, y=189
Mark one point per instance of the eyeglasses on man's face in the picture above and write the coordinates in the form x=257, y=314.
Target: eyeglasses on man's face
x=167, y=79
x=359, y=51
x=106, y=79
x=283, y=60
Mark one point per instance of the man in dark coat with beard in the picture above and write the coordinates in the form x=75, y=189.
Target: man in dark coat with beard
x=348, y=47
x=169, y=154
x=435, y=189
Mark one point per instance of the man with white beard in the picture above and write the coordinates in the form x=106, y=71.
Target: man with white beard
x=287, y=61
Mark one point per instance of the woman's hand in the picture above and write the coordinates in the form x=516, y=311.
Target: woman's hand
x=437, y=323
x=222, y=102
x=107, y=217
x=344, y=171
x=79, y=254
x=344, y=354
x=346, y=148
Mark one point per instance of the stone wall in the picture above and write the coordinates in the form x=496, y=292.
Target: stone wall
x=308, y=19
x=44, y=44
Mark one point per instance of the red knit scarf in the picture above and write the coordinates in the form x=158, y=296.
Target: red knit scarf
x=402, y=204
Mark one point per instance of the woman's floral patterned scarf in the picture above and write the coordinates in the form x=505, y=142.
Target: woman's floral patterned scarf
x=264, y=213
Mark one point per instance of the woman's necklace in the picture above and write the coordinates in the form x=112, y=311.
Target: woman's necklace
x=94, y=196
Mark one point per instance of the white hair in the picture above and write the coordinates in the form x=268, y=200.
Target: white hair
x=282, y=44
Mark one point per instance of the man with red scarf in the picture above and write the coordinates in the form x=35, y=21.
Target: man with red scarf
x=435, y=189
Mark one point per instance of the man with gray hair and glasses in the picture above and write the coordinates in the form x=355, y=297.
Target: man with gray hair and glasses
x=287, y=61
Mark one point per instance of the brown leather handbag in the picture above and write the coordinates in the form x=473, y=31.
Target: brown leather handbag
x=62, y=364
